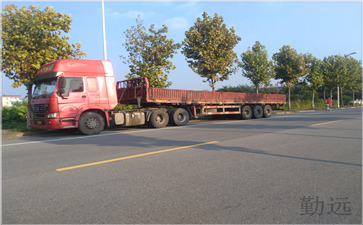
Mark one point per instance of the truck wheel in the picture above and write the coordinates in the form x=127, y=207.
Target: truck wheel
x=246, y=112
x=257, y=112
x=179, y=117
x=158, y=119
x=267, y=111
x=91, y=123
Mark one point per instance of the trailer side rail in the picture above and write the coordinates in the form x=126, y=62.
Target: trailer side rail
x=130, y=91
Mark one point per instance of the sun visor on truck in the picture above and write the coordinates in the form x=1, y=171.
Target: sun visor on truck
x=47, y=75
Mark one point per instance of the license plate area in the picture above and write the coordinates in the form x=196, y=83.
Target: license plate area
x=40, y=122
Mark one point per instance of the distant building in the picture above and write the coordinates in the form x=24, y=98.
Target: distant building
x=8, y=100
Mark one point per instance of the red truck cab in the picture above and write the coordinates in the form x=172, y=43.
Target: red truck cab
x=71, y=91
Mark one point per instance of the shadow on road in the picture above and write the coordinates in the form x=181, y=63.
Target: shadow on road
x=138, y=140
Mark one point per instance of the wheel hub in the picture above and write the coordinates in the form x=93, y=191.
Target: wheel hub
x=181, y=117
x=92, y=123
x=159, y=119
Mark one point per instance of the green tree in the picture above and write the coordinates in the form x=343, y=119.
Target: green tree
x=335, y=73
x=30, y=38
x=256, y=66
x=328, y=79
x=289, y=67
x=209, y=49
x=315, y=77
x=354, y=70
x=149, y=53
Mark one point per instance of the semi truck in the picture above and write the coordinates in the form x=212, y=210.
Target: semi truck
x=82, y=94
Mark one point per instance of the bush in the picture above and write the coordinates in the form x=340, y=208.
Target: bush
x=306, y=104
x=347, y=100
x=125, y=107
x=15, y=117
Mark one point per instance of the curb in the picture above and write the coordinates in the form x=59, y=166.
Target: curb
x=293, y=111
x=13, y=134
x=311, y=110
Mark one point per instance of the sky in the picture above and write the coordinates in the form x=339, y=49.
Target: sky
x=321, y=28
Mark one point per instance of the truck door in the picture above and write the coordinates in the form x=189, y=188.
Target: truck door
x=74, y=98
x=93, y=91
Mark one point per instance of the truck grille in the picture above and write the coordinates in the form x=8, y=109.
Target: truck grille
x=39, y=108
x=39, y=115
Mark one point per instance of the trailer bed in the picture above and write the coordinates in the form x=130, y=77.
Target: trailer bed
x=131, y=91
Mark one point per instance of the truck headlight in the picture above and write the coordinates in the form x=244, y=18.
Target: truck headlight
x=52, y=115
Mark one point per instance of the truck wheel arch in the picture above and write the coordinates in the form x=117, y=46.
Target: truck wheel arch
x=179, y=116
x=98, y=111
x=257, y=112
x=91, y=123
x=158, y=118
x=267, y=111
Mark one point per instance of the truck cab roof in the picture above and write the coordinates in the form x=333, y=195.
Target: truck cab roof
x=76, y=67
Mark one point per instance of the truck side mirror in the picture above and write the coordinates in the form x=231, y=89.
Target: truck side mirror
x=62, y=86
x=62, y=82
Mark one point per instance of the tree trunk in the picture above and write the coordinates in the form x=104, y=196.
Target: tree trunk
x=353, y=99
x=331, y=93
x=257, y=89
x=312, y=100
x=289, y=88
x=29, y=87
x=213, y=85
x=341, y=96
x=324, y=94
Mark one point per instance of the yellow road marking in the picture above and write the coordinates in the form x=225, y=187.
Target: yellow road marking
x=133, y=156
x=317, y=124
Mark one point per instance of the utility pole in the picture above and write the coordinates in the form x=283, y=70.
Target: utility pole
x=104, y=31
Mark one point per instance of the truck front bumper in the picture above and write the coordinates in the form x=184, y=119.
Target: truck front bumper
x=52, y=123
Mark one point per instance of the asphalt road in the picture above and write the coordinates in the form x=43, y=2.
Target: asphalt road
x=296, y=168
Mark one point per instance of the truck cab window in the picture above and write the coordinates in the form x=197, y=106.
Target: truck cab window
x=44, y=87
x=76, y=84
x=73, y=84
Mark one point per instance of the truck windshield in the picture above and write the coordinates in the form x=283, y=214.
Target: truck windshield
x=44, y=88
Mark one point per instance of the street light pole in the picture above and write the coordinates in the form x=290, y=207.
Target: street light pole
x=104, y=31
x=338, y=101
x=338, y=85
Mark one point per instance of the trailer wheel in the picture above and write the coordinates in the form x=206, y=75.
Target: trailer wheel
x=158, y=119
x=257, y=112
x=91, y=123
x=246, y=112
x=267, y=111
x=178, y=117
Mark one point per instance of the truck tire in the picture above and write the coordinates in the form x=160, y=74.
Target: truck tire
x=159, y=118
x=257, y=112
x=267, y=111
x=246, y=112
x=91, y=123
x=178, y=117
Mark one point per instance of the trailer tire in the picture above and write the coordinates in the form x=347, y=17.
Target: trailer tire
x=178, y=117
x=257, y=112
x=267, y=111
x=159, y=118
x=246, y=112
x=91, y=123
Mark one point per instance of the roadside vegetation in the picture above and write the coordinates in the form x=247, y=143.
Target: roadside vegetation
x=14, y=118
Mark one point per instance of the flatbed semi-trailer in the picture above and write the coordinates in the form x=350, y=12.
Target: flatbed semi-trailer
x=82, y=94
